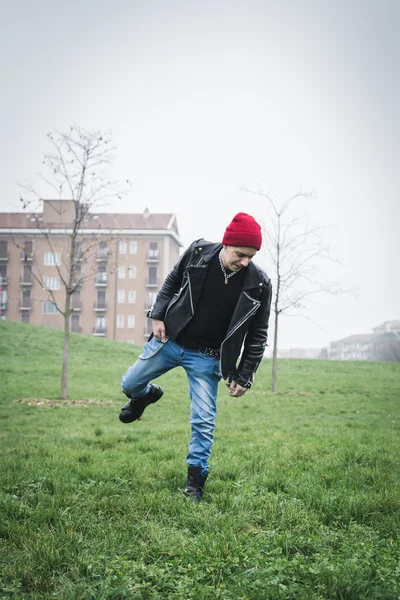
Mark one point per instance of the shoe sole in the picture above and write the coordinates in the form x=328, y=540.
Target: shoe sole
x=130, y=419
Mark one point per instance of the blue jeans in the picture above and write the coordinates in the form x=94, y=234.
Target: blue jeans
x=203, y=373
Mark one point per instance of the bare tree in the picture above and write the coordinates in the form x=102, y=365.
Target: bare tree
x=74, y=170
x=294, y=249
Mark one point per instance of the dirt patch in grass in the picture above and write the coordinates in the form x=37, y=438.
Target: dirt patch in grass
x=45, y=402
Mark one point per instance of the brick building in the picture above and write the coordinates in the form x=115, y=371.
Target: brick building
x=124, y=259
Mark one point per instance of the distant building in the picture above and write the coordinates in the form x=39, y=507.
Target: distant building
x=387, y=341
x=353, y=347
x=388, y=326
x=300, y=353
x=381, y=345
x=127, y=258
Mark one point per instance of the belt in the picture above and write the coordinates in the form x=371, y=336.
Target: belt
x=213, y=352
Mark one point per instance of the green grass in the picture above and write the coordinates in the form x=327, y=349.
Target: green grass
x=302, y=501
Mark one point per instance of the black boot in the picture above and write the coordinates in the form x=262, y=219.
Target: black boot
x=133, y=410
x=195, y=484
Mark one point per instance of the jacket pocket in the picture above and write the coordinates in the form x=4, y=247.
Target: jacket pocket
x=175, y=299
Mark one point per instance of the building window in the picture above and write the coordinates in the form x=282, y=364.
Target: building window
x=122, y=247
x=121, y=296
x=49, y=308
x=152, y=275
x=153, y=249
x=120, y=321
x=102, y=250
x=78, y=253
x=100, y=322
x=52, y=258
x=3, y=249
x=77, y=272
x=75, y=328
x=121, y=272
x=3, y=273
x=76, y=300
x=131, y=296
x=26, y=299
x=131, y=321
x=101, y=274
x=27, y=252
x=132, y=272
x=27, y=274
x=51, y=283
x=100, y=327
x=132, y=247
x=25, y=315
x=100, y=300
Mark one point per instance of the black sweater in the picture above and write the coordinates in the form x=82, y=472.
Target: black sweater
x=214, y=310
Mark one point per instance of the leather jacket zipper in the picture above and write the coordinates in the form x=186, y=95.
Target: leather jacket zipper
x=253, y=310
x=190, y=287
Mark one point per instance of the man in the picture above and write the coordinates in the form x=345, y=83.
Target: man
x=214, y=302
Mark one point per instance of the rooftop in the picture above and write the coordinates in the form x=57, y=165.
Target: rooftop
x=354, y=339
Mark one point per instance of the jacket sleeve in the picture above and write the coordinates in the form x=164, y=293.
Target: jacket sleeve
x=170, y=287
x=255, y=341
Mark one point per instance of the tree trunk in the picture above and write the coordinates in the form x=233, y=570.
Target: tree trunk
x=65, y=364
x=274, y=386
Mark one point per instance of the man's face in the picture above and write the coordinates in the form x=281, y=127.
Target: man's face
x=235, y=258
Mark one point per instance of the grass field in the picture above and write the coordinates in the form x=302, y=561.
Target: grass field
x=302, y=501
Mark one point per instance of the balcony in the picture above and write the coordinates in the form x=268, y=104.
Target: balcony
x=26, y=256
x=25, y=305
x=152, y=283
x=101, y=280
x=25, y=281
x=102, y=255
x=100, y=306
x=153, y=256
x=100, y=331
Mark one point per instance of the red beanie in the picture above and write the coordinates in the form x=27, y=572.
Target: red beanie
x=243, y=230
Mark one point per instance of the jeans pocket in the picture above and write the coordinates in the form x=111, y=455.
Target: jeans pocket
x=153, y=347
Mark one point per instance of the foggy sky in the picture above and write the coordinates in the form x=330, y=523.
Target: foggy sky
x=203, y=99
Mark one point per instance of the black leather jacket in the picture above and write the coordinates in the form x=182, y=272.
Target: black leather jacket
x=176, y=304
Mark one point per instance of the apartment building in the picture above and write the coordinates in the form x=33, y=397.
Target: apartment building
x=382, y=344
x=353, y=347
x=122, y=262
x=387, y=327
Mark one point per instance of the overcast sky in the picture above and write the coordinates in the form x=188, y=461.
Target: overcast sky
x=203, y=99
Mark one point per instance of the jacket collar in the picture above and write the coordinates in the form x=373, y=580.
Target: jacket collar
x=255, y=277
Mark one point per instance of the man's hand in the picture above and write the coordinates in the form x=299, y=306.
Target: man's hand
x=159, y=330
x=236, y=390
